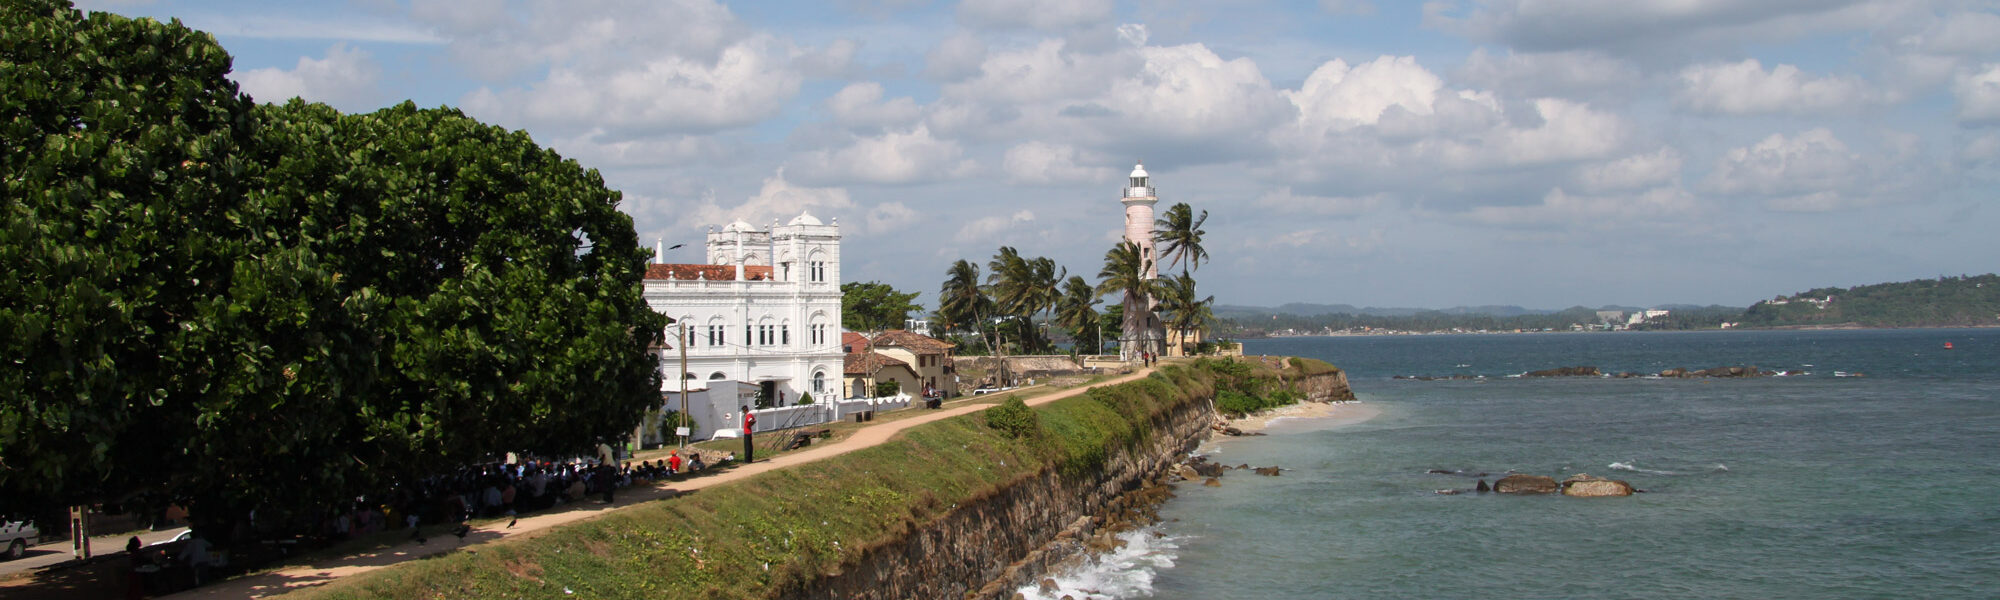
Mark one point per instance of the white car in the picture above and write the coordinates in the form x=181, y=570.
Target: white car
x=17, y=536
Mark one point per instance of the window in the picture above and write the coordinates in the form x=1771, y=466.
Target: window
x=716, y=375
x=818, y=271
x=819, y=382
x=715, y=335
x=818, y=334
x=785, y=335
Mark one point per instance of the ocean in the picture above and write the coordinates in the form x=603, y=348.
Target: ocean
x=1884, y=483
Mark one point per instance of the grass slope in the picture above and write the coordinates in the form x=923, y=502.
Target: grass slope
x=782, y=530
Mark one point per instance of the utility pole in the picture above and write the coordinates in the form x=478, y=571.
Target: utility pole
x=682, y=431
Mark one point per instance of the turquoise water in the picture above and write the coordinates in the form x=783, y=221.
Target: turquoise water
x=1808, y=486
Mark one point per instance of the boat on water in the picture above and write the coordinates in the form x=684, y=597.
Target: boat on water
x=1947, y=345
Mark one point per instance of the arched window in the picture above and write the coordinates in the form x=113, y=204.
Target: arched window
x=816, y=267
x=785, y=333
x=717, y=375
x=819, y=382
x=688, y=376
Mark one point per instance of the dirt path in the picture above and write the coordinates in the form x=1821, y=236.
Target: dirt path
x=321, y=572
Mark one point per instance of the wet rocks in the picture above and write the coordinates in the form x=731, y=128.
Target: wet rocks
x=1526, y=484
x=1267, y=471
x=1583, y=485
x=1577, y=371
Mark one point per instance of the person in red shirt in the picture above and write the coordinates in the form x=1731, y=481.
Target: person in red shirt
x=673, y=462
x=749, y=422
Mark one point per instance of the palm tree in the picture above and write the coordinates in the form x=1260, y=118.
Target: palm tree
x=1181, y=231
x=1125, y=273
x=962, y=301
x=1077, y=311
x=1184, y=312
x=1022, y=288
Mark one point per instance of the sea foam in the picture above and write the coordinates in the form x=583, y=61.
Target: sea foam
x=1126, y=572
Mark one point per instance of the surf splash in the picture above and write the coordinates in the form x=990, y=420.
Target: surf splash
x=1127, y=572
x=1625, y=466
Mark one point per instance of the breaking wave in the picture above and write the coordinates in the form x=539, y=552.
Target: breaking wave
x=1126, y=572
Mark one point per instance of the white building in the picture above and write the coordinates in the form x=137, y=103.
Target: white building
x=762, y=321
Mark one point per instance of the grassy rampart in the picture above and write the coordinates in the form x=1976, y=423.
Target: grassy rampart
x=779, y=532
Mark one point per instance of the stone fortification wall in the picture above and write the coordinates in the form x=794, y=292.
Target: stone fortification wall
x=989, y=547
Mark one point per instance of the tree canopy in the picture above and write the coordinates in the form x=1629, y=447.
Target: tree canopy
x=874, y=306
x=226, y=304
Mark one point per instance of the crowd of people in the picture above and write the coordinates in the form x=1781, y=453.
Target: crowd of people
x=420, y=507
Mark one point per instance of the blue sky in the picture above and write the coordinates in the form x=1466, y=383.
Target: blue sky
x=1542, y=153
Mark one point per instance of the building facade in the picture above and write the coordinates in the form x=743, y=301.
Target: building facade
x=763, y=314
x=1143, y=330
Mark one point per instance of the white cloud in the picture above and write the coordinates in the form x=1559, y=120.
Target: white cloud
x=861, y=105
x=461, y=16
x=1654, y=29
x=889, y=217
x=347, y=79
x=834, y=61
x=777, y=199
x=600, y=148
x=1746, y=88
x=1566, y=74
x=1978, y=95
x=1803, y=172
x=957, y=57
x=1282, y=200
x=1043, y=163
x=1037, y=14
x=1632, y=172
x=986, y=227
x=903, y=156
x=747, y=82
x=1560, y=208
x=1347, y=7
x=1393, y=114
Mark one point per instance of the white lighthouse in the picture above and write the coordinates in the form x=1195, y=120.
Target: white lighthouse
x=1142, y=328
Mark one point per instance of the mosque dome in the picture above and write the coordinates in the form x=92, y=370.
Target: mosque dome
x=739, y=225
x=805, y=218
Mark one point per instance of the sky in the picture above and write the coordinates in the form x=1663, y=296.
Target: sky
x=1540, y=153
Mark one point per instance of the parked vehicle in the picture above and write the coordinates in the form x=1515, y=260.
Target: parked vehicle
x=17, y=536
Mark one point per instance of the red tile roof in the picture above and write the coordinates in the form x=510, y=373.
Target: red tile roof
x=659, y=272
x=916, y=342
x=853, y=342
x=867, y=363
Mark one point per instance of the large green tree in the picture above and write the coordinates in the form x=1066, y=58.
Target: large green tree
x=236, y=306
x=963, y=304
x=874, y=306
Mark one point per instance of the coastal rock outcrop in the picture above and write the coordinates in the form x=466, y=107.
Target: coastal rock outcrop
x=1583, y=485
x=1267, y=471
x=1577, y=371
x=1526, y=484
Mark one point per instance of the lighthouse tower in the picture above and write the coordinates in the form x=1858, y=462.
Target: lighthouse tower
x=1142, y=328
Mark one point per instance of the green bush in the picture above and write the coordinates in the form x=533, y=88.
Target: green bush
x=887, y=388
x=1013, y=418
x=805, y=398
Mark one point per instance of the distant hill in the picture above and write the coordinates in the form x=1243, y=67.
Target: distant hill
x=1302, y=309
x=1943, y=302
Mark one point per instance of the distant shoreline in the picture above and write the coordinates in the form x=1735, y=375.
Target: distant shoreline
x=1835, y=327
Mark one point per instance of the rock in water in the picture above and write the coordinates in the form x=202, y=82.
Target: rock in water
x=1267, y=471
x=1576, y=371
x=1526, y=484
x=1582, y=485
x=1482, y=487
x=1208, y=469
x=1049, y=586
x=1212, y=482
x=1186, y=473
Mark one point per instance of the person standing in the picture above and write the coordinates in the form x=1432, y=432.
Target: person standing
x=749, y=423
x=673, y=462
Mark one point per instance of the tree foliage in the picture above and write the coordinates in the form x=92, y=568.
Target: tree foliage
x=233, y=305
x=1945, y=301
x=874, y=306
x=1181, y=231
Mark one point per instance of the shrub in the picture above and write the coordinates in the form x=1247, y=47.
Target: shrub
x=887, y=388
x=1013, y=418
x=805, y=398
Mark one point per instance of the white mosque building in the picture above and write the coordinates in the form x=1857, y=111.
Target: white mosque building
x=762, y=321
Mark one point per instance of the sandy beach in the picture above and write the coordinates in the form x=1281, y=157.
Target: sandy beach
x=1307, y=415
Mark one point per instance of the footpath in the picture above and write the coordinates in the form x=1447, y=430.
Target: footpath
x=317, y=573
